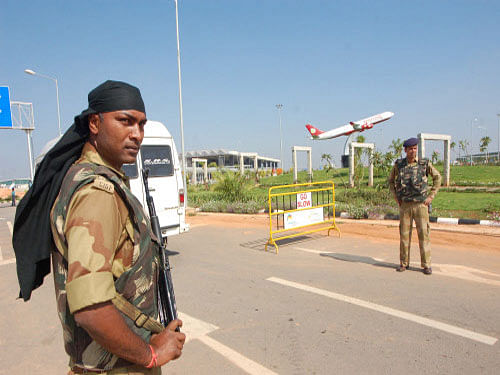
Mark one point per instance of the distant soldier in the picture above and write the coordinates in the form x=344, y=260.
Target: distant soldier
x=105, y=259
x=13, y=197
x=408, y=184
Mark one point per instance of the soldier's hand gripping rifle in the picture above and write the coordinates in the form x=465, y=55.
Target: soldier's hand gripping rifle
x=166, y=298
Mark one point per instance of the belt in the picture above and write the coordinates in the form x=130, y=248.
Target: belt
x=79, y=370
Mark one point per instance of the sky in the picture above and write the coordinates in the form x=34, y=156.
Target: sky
x=435, y=64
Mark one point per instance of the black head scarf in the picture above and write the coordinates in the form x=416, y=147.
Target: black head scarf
x=32, y=237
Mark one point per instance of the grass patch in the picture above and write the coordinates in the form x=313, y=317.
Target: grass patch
x=364, y=201
x=468, y=201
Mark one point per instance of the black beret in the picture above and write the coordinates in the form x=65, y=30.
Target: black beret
x=410, y=142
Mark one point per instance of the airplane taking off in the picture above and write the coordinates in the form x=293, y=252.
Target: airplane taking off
x=353, y=126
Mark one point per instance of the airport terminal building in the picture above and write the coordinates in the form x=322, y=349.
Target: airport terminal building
x=231, y=159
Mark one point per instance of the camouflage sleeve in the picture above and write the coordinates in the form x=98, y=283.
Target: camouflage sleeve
x=436, y=180
x=92, y=229
x=392, y=181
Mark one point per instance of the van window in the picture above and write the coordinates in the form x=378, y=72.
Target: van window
x=130, y=170
x=158, y=159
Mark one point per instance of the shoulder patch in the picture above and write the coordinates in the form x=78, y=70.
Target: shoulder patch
x=102, y=184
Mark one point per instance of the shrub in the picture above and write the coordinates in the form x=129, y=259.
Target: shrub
x=231, y=185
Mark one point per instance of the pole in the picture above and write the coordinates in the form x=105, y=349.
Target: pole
x=30, y=157
x=180, y=106
x=498, y=150
x=471, y=142
x=280, y=106
x=33, y=73
x=58, y=110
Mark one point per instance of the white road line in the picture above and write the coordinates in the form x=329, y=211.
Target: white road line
x=9, y=224
x=310, y=250
x=8, y=261
x=387, y=310
x=195, y=328
x=236, y=358
x=198, y=329
x=468, y=273
x=1, y=256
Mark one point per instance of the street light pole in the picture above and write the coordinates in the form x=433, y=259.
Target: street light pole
x=498, y=150
x=471, y=138
x=33, y=73
x=280, y=107
x=180, y=106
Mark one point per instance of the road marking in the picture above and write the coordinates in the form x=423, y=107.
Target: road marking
x=236, y=358
x=1, y=256
x=195, y=328
x=389, y=311
x=9, y=224
x=198, y=329
x=450, y=270
x=8, y=261
x=310, y=250
x=467, y=273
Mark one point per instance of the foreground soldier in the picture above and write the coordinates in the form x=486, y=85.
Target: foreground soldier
x=408, y=184
x=106, y=259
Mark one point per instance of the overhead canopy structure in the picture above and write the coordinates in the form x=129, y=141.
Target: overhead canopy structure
x=232, y=159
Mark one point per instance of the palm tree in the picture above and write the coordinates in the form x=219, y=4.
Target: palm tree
x=435, y=157
x=397, y=147
x=464, y=145
x=483, y=145
x=452, y=147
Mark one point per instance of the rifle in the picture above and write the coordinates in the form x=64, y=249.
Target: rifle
x=166, y=297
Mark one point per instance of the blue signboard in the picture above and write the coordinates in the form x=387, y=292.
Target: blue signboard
x=5, y=115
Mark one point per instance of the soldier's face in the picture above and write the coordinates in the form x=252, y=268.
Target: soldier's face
x=117, y=135
x=411, y=152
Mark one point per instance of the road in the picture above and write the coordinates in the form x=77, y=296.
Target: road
x=323, y=305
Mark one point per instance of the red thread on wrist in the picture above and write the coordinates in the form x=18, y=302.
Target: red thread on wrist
x=154, y=358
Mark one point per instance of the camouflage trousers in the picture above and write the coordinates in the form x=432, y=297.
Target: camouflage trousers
x=418, y=212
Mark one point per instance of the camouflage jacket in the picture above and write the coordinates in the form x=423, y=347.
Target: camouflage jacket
x=137, y=283
x=409, y=182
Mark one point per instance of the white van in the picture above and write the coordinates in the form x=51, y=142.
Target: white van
x=159, y=154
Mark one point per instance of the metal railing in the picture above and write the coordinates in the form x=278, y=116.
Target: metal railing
x=294, y=209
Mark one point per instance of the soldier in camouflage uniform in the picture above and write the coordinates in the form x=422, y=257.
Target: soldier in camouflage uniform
x=408, y=184
x=106, y=261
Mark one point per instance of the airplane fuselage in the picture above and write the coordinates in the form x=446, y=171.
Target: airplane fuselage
x=357, y=126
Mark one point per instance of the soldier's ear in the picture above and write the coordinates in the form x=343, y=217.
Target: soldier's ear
x=94, y=123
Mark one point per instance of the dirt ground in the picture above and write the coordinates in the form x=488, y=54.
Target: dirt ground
x=5, y=193
x=469, y=237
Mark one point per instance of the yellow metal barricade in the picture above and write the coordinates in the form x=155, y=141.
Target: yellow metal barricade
x=299, y=207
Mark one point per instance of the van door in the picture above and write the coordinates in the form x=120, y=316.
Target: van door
x=163, y=185
x=135, y=180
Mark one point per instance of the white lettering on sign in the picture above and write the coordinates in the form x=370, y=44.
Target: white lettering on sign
x=304, y=200
x=156, y=161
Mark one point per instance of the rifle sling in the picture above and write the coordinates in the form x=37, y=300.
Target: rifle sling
x=141, y=320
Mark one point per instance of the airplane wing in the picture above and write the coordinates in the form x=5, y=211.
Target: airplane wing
x=355, y=125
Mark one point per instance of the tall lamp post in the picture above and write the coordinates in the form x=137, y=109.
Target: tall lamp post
x=280, y=107
x=471, y=137
x=33, y=73
x=180, y=106
x=498, y=150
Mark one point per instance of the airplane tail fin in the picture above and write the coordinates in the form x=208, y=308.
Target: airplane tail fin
x=313, y=131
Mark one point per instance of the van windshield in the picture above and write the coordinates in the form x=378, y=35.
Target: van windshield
x=130, y=170
x=158, y=159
